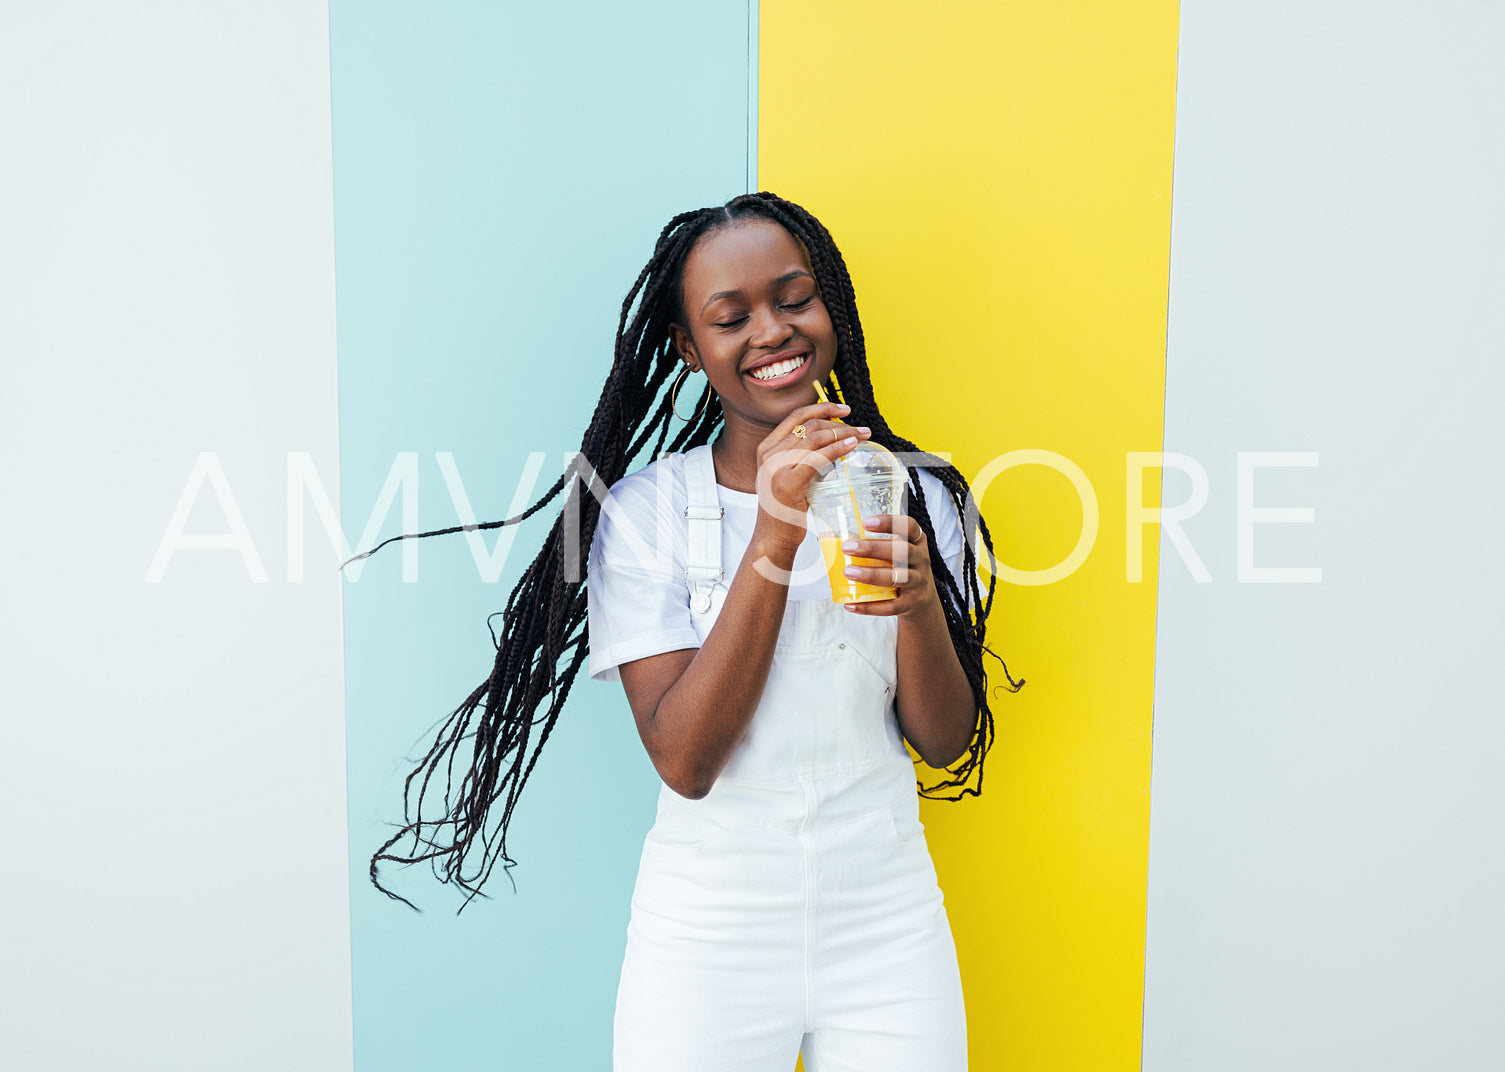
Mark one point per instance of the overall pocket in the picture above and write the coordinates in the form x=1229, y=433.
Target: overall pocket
x=677, y=826
x=904, y=821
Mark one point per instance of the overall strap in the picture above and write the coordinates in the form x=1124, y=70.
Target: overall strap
x=703, y=520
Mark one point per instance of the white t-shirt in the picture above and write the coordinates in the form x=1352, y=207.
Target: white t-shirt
x=638, y=601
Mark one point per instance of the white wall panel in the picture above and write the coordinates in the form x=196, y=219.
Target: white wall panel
x=1325, y=870
x=174, y=891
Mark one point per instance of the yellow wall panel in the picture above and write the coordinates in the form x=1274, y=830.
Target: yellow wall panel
x=999, y=178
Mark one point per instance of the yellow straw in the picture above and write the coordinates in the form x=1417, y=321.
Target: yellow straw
x=851, y=491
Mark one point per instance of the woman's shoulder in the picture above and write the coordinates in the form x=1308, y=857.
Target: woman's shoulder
x=644, y=485
x=937, y=495
x=931, y=483
x=643, y=510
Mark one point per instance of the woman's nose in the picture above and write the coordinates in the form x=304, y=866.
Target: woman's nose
x=768, y=329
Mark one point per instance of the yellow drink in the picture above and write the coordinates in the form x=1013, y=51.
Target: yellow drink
x=843, y=588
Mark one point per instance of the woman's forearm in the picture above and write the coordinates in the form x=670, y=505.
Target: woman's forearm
x=703, y=715
x=936, y=709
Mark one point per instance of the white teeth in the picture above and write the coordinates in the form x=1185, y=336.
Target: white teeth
x=778, y=368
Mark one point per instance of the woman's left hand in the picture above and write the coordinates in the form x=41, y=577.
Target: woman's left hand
x=900, y=544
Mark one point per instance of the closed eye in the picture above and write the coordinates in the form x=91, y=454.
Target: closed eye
x=788, y=305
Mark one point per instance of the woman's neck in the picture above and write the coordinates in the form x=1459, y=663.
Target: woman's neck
x=735, y=453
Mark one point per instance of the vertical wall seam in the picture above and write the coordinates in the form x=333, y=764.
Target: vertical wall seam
x=1149, y=847
x=752, y=96
x=339, y=512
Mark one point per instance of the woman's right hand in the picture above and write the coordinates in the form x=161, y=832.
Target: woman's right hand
x=789, y=464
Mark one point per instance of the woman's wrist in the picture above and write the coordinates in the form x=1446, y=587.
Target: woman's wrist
x=776, y=539
x=926, y=615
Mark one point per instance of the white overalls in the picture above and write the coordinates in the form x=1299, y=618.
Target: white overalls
x=795, y=905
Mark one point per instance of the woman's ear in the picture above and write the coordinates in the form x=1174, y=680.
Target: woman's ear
x=685, y=346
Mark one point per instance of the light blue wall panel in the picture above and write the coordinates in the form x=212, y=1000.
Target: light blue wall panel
x=501, y=172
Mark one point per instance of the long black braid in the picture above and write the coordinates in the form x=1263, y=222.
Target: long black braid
x=545, y=616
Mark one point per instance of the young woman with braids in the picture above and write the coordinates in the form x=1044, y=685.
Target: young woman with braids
x=786, y=901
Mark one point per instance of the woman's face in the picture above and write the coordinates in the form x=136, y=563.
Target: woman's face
x=754, y=321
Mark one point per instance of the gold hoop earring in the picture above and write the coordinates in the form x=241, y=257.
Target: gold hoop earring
x=674, y=393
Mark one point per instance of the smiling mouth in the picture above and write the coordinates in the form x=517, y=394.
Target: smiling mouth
x=780, y=372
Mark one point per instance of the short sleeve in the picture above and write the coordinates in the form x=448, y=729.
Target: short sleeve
x=637, y=599
x=948, y=529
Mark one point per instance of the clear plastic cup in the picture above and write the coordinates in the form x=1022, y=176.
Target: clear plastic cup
x=866, y=481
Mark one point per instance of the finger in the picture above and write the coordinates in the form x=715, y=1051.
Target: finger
x=813, y=423
x=821, y=459
x=882, y=576
x=879, y=608
x=840, y=445
x=907, y=535
x=825, y=433
x=900, y=525
x=814, y=411
x=884, y=549
x=792, y=470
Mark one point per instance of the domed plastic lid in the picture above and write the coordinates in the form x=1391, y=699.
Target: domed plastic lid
x=866, y=463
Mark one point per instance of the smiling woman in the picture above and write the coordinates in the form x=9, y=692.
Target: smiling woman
x=786, y=902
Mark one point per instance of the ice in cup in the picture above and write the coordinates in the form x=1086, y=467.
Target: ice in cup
x=866, y=481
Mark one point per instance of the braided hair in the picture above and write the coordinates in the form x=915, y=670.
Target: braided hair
x=544, y=620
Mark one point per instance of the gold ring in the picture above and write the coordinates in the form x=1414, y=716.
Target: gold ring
x=799, y=431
